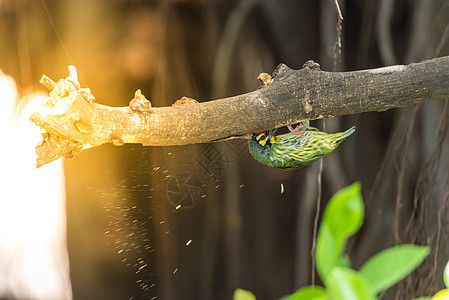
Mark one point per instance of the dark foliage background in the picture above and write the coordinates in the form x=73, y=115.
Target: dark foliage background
x=125, y=236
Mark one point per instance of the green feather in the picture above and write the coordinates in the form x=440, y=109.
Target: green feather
x=291, y=151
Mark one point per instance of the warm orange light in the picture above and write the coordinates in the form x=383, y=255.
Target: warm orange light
x=33, y=255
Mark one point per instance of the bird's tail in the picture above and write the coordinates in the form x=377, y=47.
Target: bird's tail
x=341, y=136
x=349, y=131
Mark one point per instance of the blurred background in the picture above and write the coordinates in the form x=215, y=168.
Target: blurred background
x=199, y=221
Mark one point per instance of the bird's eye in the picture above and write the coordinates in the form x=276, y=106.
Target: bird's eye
x=262, y=137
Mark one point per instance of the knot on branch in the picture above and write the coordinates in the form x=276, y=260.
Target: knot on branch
x=280, y=69
x=311, y=65
x=265, y=79
x=139, y=103
x=185, y=100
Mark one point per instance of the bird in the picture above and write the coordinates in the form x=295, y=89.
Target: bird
x=298, y=148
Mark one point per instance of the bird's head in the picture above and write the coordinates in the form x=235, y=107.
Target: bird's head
x=264, y=138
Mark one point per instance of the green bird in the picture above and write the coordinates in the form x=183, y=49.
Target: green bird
x=293, y=150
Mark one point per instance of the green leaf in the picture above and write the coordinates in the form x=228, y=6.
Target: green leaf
x=344, y=261
x=344, y=212
x=423, y=298
x=328, y=250
x=308, y=293
x=446, y=275
x=392, y=265
x=342, y=217
x=241, y=294
x=347, y=284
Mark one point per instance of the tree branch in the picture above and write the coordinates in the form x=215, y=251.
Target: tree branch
x=73, y=121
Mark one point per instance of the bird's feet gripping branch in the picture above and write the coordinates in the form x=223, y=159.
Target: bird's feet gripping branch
x=300, y=128
x=301, y=146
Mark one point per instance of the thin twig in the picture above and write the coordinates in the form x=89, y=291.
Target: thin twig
x=22, y=44
x=443, y=41
x=440, y=212
x=227, y=42
x=385, y=40
x=401, y=173
x=337, y=57
x=317, y=214
x=337, y=46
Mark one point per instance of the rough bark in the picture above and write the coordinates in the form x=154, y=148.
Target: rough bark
x=73, y=121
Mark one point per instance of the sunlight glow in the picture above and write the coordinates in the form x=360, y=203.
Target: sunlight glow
x=34, y=261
